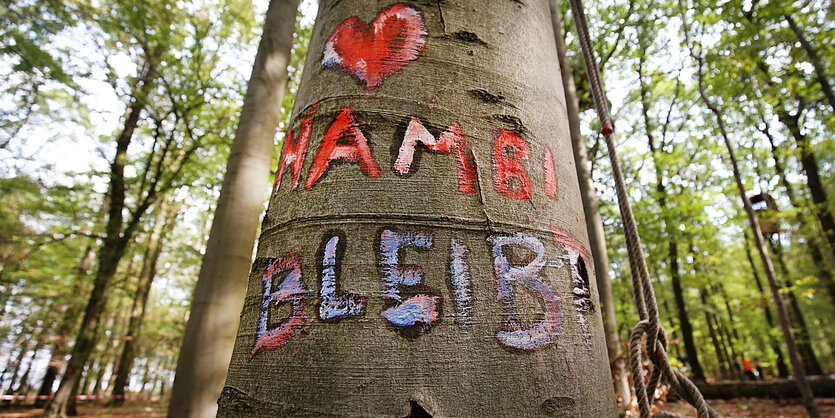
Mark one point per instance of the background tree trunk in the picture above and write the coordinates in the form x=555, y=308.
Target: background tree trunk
x=218, y=295
x=782, y=370
x=110, y=253
x=814, y=58
x=441, y=261
x=804, y=342
x=594, y=224
x=163, y=222
x=759, y=244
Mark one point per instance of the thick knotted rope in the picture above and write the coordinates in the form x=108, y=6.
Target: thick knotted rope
x=642, y=291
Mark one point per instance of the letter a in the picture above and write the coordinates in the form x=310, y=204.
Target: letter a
x=356, y=152
x=294, y=152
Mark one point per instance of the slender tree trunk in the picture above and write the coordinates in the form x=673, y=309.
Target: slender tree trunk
x=99, y=381
x=672, y=246
x=727, y=345
x=146, y=376
x=23, y=386
x=163, y=222
x=219, y=293
x=812, y=242
x=68, y=322
x=24, y=348
x=721, y=361
x=804, y=342
x=594, y=224
x=759, y=244
x=810, y=167
x=437, y=253
x=109, y=255
x=814, y=58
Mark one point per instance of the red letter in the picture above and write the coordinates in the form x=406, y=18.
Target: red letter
x=357, y=152
x=550, y=174
x=505, y=166
x=294, y=152
x=450, y=140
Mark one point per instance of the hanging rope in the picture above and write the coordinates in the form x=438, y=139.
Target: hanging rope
x=642, y=291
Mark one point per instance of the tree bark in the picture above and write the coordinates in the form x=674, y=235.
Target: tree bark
x=810, y=167
x=721, y=359
x=24, y=348
x=163, y=222
x=110, y=253
x=23, y=386
x=759, y=244
x=594, y=224
x=812, y=242
x=804, y=342
x=425, y=272
x=782, y=370
x=672, y=245
x=814, y=58
x=68, y=322
x=218, y=295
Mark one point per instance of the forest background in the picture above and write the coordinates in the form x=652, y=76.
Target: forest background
x=79, y=77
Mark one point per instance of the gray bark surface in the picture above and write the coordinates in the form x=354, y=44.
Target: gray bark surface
x=218, y=294
x=594, y=224
x=490, y=67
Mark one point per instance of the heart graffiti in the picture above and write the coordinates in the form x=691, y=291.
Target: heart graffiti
x=373, y=52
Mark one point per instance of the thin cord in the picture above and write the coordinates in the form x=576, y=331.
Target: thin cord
x=643, y=293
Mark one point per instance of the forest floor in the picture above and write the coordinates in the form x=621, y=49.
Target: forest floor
x=755, y=407
x=740, y=407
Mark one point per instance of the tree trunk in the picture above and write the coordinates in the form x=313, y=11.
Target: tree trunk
x=594, y=224
x=431, y=269
x=771, y=275
x=812, y=242
x=109, y=255
x=814, y=58
x=68, y=322
x=672, y=245
x=721, y=360
x=218, y=296
x=23, y=386
x=804, y=342
x=813, y=181
x=163, y=222
x=24, y=348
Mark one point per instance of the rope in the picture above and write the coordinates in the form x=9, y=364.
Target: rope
x=642, y=291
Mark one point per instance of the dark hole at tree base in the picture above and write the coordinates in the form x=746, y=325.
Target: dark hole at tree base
x=417, y=411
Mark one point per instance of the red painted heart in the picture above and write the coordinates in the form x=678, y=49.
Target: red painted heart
x=373, y=52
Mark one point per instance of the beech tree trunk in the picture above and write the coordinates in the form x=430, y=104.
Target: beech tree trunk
x=809, y=162
x=110, y=253
x=804, y=342
x=163, y=222
x=218, y=295
x=594, y=224
x=759, y=241
x=814, y=58
x=782, y=370
x=672, y=244
x=812, y=241
x=721, y=360
x=436, y=257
